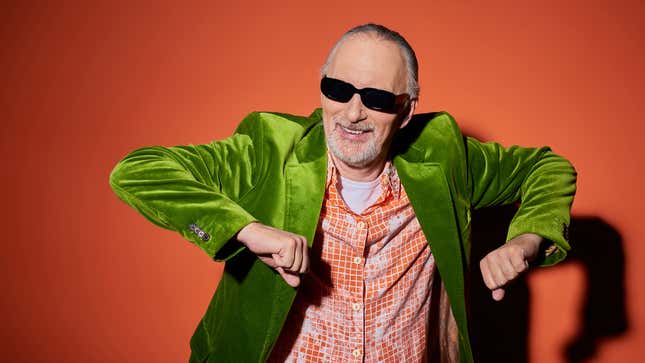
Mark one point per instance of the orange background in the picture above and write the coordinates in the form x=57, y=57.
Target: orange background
x=86, y=279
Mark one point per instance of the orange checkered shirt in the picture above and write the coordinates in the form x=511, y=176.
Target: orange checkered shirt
x=367, y=296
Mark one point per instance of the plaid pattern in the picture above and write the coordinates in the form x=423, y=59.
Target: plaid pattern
x=367, y=296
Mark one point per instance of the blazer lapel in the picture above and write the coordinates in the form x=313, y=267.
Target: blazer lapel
x=305, y=184
x=305, y=176
x=427, y=187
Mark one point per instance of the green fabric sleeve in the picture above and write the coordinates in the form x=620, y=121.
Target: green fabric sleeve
x=542, y=181
x=194, y=189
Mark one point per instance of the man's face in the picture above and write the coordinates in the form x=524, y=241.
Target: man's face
x=356, y=135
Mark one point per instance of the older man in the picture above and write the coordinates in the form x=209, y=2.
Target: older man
x=346, y=233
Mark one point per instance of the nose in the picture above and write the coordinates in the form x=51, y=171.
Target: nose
x=355, y=110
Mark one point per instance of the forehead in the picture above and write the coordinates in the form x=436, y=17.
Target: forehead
x=367, y=61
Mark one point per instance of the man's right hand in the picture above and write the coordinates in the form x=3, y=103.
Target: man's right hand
x=286, y=252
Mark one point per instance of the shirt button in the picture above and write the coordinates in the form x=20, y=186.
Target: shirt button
x=360, y=225
x=356, y=306
x=357, y=260
x=356, y=353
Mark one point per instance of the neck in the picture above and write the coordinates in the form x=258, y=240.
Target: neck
x=363, y=173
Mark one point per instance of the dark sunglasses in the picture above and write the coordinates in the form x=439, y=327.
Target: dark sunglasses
x=372, y=98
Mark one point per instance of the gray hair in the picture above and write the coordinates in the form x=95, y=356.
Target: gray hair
x=385, y=34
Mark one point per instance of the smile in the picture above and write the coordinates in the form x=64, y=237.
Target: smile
x=353, y=131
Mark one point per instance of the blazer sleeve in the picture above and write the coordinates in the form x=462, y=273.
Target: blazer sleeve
x=194, y=189
x=542, y=181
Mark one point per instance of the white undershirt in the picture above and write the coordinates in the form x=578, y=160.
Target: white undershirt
x=359, y=195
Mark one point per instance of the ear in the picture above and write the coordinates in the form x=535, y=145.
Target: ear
x=409, y=111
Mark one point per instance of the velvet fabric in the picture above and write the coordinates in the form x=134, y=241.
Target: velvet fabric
x=273, y=170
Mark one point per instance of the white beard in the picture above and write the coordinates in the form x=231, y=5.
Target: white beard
x=352, y=153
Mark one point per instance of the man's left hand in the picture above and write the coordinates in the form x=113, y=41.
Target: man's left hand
x=507, y=262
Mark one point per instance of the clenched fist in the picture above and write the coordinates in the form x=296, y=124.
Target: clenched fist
x=507, y=262
x=286, y=252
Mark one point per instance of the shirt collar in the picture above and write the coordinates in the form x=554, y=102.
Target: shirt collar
x=389, y=177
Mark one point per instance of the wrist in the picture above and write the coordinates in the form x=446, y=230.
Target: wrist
x=530, y=244
x=244, y=234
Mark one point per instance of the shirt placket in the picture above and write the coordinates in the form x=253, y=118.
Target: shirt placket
x=357, y=293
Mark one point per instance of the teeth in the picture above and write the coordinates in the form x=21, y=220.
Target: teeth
x=353, y=132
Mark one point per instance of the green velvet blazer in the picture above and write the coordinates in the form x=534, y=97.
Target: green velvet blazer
x=273, y=170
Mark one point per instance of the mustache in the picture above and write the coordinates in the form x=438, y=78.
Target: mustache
x=353, y=126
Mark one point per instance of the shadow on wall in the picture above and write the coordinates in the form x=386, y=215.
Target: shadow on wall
x=500, y=329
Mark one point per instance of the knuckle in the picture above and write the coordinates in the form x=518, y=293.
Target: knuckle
x=489, y=281
x=488, y=259
x=504, y=251
x=510, y=275
x=515, y=250
x=498, y=281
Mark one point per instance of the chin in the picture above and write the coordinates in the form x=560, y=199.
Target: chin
x=353, y=154
x=356, y=159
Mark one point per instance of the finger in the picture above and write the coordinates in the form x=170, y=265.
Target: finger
x=268, y=260
x=508, y=269
x=297, y=260
x=486, y=274
x=520, y=264
x=305, y=257
x=498, y=294
x=286, y=254
x=292, y=280
x=495, y=266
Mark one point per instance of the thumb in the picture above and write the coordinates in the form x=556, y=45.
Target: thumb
x=498, y=294
x=292, y=280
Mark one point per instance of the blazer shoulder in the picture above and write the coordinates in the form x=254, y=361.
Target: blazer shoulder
x=281, y=135
x=278, y=124
x=429, y=133
x=437, y=124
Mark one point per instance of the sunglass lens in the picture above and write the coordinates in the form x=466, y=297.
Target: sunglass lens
x=336, y=90
x=378, y=100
